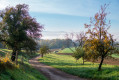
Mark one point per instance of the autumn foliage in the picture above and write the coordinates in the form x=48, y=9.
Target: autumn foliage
x=99, y=42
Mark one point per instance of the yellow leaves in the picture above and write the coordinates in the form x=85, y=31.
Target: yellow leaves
x=4, y=60
x=6, y=63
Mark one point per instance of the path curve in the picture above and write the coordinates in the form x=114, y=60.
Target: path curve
x=50, y=72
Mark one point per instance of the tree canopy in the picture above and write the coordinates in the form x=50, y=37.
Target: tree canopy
x=18, y=29
x=44, y=50
x=99, y=43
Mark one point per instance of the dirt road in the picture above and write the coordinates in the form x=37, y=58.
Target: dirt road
x=50, y=72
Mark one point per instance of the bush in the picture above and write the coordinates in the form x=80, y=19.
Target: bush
x=79, y=53
x=5, y=63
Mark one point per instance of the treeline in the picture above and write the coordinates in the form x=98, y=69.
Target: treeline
x=54, y=43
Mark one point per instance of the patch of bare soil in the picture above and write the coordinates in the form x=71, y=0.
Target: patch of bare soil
x=50, y=72
x=109, y=60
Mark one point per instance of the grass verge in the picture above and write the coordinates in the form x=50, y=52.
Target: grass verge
x=23, y=72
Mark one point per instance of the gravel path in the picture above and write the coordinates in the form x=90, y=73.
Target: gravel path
x=50, y=72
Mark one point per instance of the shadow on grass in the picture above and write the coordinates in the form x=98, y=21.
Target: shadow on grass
x=24, y=72
x=64, y=64
x=92, y=73
x=88, y=70
x=2, y=54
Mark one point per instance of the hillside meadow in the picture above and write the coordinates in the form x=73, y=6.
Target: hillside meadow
x=68, y=51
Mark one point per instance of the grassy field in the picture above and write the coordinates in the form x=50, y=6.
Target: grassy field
x=68, y=64
x=66, y=50
x=23, y=72
x=115, y=55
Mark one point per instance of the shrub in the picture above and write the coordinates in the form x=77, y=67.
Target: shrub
x=6, y=63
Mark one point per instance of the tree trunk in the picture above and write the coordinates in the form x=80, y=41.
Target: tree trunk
x=42, y=55
x=16, y=57
x=100, y=65
x=22, y=59
x=13, y=57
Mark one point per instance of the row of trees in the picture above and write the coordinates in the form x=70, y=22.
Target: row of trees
x=54, y=43
x=97, y=42
x=18, y=30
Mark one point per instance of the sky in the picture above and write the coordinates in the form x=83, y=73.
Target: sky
x=63, y=16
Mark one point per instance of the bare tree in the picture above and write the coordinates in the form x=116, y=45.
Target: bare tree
x=77, y=40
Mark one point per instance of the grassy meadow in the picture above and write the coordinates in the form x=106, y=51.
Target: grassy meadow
x=21, y=72
x=115, y=55
x=67, y=50
x=69, y=65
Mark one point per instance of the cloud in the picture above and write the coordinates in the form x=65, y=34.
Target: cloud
x=83, y=8
x=76, y=7
x=3, y=4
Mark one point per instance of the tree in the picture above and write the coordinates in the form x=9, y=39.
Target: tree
x=78, y=43
x=44, y=50
x=79, y=53
x=18, y=30
x=99, y=43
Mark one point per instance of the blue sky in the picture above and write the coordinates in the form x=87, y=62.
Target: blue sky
x=61, y=16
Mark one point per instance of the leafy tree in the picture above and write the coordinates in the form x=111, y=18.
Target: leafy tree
x=44, y=50
x=79, y=53
x=99, y=43
x=18, y=30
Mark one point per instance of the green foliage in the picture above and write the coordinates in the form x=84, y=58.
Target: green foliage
x=18, y=30
x=67, y=64
x=78, y=53
x=100, y=42
x=44, y=50
x=54, y=43
x=6, y=63
x=8, y=71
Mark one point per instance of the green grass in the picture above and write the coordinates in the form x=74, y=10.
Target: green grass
x=66, y=50
x=68, y=64
x=115, y=55
x=24, y=72
x=3, y=52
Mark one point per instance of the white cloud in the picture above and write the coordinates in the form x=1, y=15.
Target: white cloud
x=3, y=4
x=67, y=7
x=83, y=8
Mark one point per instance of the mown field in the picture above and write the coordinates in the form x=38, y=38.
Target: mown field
x=69, y=65
x=22, y=72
